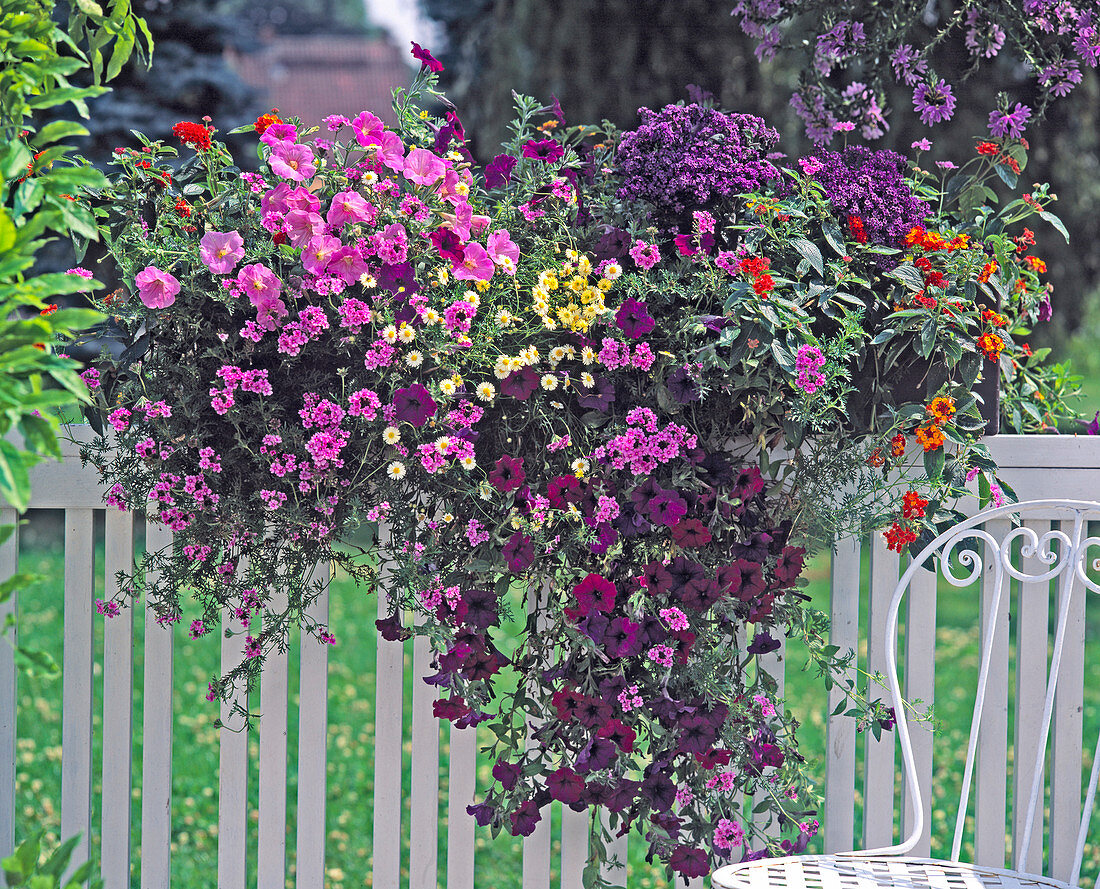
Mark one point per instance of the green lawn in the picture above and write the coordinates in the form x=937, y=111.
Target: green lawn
x=351, y=728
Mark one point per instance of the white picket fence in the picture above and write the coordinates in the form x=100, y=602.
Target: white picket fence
x=1048, y=467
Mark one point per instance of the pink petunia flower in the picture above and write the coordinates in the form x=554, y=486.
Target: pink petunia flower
x=317, y=254
x=279, y=132
x=303, y=226
x=220, y=251
x=501, y=247
x=350, y=206
x=423, y=167
x=476, y=264
x=291, y=161
x=156, y=288
x=368, y=129
x=392, y=151
x=347, y=265
x=259, y=282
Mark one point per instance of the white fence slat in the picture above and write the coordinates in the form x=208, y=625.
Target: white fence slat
x=461, y=787
x=616, y=851
x=772, y=664
x=118, y=707
x=536, y=847
x=309, y=867
x=156, y=734
x=388, y=800
x=1067, y=742
x=1032, y=639
x=424, y=811
x=271, y=830
x=840, y=732
x=991, y=781
x=920, y=684
x=232, y=768
x=536, y=855
x=878, y=784
x=76, y=719
x=9, y=565
x=574, y=847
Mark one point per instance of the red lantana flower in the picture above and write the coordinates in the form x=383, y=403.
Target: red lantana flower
x=266, y=120
x=193, y=134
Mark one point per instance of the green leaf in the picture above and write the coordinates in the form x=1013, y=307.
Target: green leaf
x=834, y=236
x=90, y=7
x=933, y=463
x=1007, y=176
x=75, y=94
x=908, y=275
x=808, y=250
x=22, y=861
x=1047, y=216
x=124, y=47
x=58, y=129
x=7, y=231
x=36, y=662
x=14, y=160
x=15, y=484
x=884, y=337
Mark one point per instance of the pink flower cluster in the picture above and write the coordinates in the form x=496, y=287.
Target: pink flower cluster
x=643, y=447
x=809, y=363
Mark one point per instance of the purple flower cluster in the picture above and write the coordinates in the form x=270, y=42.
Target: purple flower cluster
x=871, y=185
x=687, y=157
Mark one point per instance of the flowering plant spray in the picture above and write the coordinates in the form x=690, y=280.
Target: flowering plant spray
x=622, y=406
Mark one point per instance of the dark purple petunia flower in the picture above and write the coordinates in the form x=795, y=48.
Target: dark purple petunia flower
x=629, y=522
x=413, y=405
x=667, y=508
x=592, y=712
x=762, y=643
x=599, y=397
x=525, y=819
x=398, y=279
x=593, y=593
x=391, y=630
x=689, y=862
x=481, y=608
x=657, y=577
x=507, y=773
x=697, y=734
x=555, y=106
x=682, y=387
x=659, y=790
x=1094, y=427
x=507, y=474
x=623, y=796
x=498, y=171
x=483, y=813
x=543, y=150
x=621, y=639
x=520, y=383
x=565, y=785
x=448, y=244
x=471, y=719
x=790, y=564
x=451, y=708
x=519, y=552
x=560, y=490
x=425, y=58
x=621, y=735
x=597, y=755
x=634, y=319
x=691, y=533
x=595, y=626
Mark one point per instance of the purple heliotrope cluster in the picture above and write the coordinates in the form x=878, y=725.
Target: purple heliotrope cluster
x=871, y=185
x=685, y=157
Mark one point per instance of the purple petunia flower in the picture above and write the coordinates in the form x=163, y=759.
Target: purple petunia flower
x=543, y=150
x=519, y=552
x=425, y=58
x=633, y=318
x=520, y=383
x=507, y=474
x=414, y=405
x=935, y=104
x=498, y=171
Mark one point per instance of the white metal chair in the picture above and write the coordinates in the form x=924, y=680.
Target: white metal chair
x=1043, y=554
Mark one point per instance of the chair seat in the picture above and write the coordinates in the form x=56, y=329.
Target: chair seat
x=869, y=872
